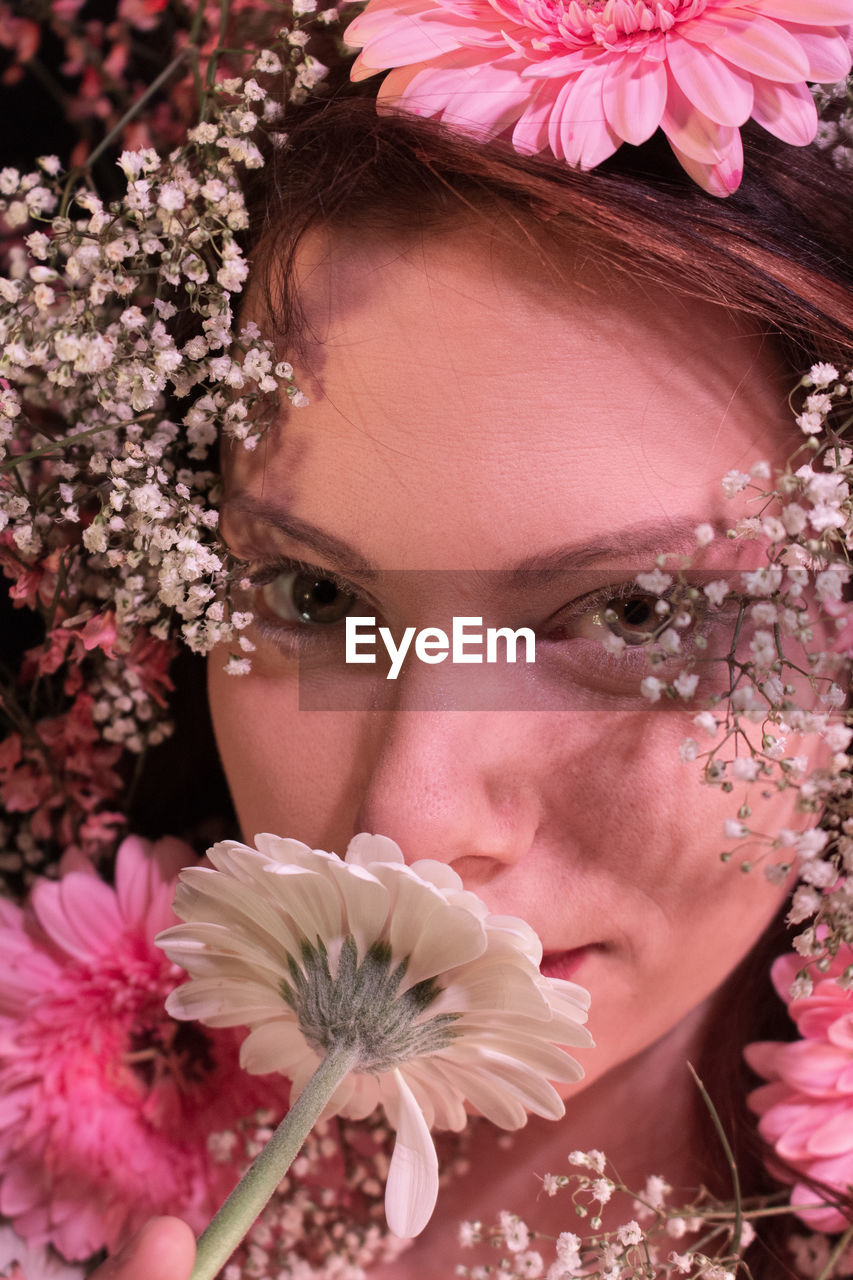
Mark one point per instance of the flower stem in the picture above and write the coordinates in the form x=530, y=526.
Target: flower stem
x=225, y=1231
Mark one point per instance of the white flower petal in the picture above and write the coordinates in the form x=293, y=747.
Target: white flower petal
x=412, y=928
x=206, y=895
x=531, y=1050
x=365, y=848
x=309, y=899
x=488, y=1094
x=519, y=937
x=412, y=1187
x=366, y=902
x=277, y=1045
x=221, y=1003
x=209, y=944
x=438, y=873
x=500, y=987
x=288, y=852
x=429, y=1082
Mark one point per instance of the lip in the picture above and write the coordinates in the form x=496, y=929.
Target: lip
x=562, y=964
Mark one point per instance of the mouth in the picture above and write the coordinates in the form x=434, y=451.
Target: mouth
x=562, y=964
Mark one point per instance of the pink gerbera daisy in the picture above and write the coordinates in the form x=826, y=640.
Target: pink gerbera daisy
x=583, y=76
x=806, y=1109
x=106, y=1101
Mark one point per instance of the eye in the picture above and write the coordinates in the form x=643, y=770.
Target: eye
x=632, y=617
x=306, y=597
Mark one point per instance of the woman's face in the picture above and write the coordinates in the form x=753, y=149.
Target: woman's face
x=492, y=437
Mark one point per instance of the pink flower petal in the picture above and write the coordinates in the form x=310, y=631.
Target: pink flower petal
x=787, y=111
x=18, y=1193
x=135, y=875
x=822, y=11
x=530, y=134
x=716, y=88
x=762, y=1058
x=812, y=1066
x=402, y=43
x=718, y=179
x=834, y=1138
x=828, y=54
x=634, y=97
x=691, y=132
x=80, y=913
x=753, y=43
x=568, y=66
x=578, y=131
x=478, y=98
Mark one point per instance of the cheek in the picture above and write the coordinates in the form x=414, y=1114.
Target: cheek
x=289, y=771
x=638, y=837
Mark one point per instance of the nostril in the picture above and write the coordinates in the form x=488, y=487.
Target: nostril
x=477, y=869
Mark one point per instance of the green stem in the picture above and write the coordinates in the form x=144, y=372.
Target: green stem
x=225, y=1231
x=136, y=107
x=730, y=1160
x=65, y=442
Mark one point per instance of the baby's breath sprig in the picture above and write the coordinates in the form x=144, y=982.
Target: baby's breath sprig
x=122, y=363
x=784, y=670
x=696, y=1236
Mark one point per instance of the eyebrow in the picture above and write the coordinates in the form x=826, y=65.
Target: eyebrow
x=646, y=538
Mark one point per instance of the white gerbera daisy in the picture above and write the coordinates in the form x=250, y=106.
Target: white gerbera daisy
x=430, y=999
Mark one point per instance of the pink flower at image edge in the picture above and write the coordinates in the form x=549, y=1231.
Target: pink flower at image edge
x=806, y=1109
x=106, y=1102
x=581, y=78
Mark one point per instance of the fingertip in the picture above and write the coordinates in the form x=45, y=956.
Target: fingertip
x=164, y=1249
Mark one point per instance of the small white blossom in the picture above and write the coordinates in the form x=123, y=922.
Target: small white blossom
x=819, y=873
x=670, y=640
x=763, y=648
x=745, y=769
x=683, y=1262
x=267, y=62
x=516, y=1235
x=716, y=591
x=630, y=1233
x=656, y=581
x=568, y=1247
x=238, y=666
x=171, y=197
x=651, y=688
x=810, y=423
x=593, y=1159
x=763, y=581
x=821, y=375
x=706, y=721
x=734, y=481
x=810, y=843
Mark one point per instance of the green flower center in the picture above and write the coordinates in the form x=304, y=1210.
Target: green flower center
x=361, y=1007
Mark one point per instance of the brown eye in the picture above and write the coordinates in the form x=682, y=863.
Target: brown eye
x=633, y=618
x=305, y=597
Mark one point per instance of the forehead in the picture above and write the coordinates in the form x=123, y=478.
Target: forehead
x=462, y=387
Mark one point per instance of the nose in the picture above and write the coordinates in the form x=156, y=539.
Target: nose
x=455, y=786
